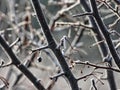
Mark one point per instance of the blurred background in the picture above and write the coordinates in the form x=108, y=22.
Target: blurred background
x=18, y=21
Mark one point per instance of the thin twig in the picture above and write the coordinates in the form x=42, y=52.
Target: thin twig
x=58, y=75
x=16, y=41
x=2, y=66
x=39, y=49
x=83, y=14
x=61, y=13
x=73, y=24
x=85, y=76
x=96, y=66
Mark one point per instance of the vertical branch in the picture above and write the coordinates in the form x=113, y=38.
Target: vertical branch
x=102, y=46
x=105, y=33
x=99, y=37
x=21, y=67
x=52, y=45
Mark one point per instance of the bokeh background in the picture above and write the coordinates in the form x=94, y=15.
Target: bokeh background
x=18, y=20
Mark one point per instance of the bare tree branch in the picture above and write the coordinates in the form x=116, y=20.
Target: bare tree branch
x=20, y=66
x=53, y=46
x=105, y=32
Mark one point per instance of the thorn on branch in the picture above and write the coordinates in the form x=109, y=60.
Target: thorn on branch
x=85, y=76
x=39, y=49
x=83, y=14
x=58, y=75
